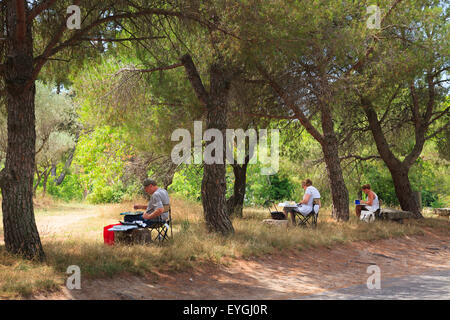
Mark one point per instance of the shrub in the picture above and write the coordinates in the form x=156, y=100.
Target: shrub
x=107, y=194
x=69, y=189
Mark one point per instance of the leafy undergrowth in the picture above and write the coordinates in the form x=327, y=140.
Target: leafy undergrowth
x=72, y=235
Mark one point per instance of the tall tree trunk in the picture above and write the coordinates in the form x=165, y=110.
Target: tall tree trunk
x=214, y=181
x=235, y=204
x=339, y=192
x=398, y=169
x=16, y=179
x=404, y=191
x=20, y=231
x=214, y=186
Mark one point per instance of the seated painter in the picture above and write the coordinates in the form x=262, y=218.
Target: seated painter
x=372, y=204
x=157, y=209
x=305, y=207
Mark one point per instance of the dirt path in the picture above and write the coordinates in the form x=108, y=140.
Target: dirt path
x=54, y=225
x=434, y=285
x=287, y=276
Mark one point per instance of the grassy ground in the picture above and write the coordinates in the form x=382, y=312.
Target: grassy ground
x=72, y=234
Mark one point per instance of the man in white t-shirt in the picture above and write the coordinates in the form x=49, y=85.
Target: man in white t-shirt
x=306, y=205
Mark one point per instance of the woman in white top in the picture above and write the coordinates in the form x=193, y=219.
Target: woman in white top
x=306, y=205
x=372, y=204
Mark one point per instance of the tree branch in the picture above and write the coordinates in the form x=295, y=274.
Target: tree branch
x=441, y=81
x=357, y=66
x=52, y=49
x=431, y=98
x=78, y=34
x=298, y=113
x=38, y=8
x=351, y=156
x=444, y=127
x=172, y=66
x=41, y=60
x=378, y=135
x=443, y=113
x=390, y=104
x=119, y=40
x=415, y=106
x=195, y=80
x=421, y=124
x=260, y=115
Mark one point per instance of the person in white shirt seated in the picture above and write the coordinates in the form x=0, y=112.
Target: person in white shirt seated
x=306, y=205
x=372, y=204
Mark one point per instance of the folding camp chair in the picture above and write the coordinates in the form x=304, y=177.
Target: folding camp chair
x=377, y=214
x=162, y=228
x=310, y=219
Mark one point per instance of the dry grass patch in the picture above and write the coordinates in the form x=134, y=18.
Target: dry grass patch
x=21, y=278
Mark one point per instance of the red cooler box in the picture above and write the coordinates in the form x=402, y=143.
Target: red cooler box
x=108, y=236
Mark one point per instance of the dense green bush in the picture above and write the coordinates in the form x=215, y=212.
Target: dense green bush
x=275, y=187
x=187, y=182
x=107, y=194
x=70, y=189
x=100, y=159
x=261, y=187
x=381, y=183
x=428, y=198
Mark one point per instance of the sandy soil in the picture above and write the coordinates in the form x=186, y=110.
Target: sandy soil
x=288, y=275
x=51, y=225
x=54, y=225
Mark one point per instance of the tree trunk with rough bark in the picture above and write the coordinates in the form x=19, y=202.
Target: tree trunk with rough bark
x=16, y=179
x=235, y=204
x=214, y=186
x=339, y=192
x=398, y=169
x=403, y=189
x=214, y=182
